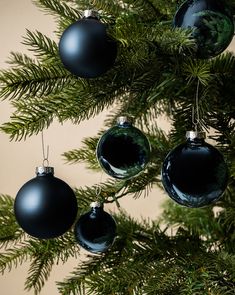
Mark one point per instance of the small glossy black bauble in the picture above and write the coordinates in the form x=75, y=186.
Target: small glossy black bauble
x=123, y=151
x=195, y=174
x=212, y=25
x=86, y=50
x=45, y=206
x=95, y=231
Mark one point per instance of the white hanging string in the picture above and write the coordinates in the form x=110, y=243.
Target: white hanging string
x=98, y=188
x=45, y=154
x=196, y=112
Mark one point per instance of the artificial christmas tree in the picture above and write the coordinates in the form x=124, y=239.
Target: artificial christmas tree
x=155, y=73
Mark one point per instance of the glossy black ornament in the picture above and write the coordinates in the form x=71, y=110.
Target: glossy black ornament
x=123, y=151
x=85, y=48
x=95, y=230
x=45, y=206
x=194, y=174
x=212, y=25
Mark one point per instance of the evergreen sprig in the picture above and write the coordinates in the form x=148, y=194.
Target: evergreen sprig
x=10, y=233
x=59, y=8
x=42, y=46
x=44, y=254
x=33, y=80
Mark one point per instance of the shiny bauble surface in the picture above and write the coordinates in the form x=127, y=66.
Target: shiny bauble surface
x=95, y=231
x=86, y=50
x=123, y=151
x=45, y=207
x=212, y=25
x=194, y=174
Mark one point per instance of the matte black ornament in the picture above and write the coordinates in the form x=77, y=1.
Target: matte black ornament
x=123, y=151
x=194, y=174
x=85, y=48
x=212, y=25
x=95, y=230
x=45, y=206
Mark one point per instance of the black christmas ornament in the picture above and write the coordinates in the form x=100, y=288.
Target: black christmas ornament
x=85, y=48
x=212, y=24
x=123, y=151
x=95, y=230
x=194, y=174
x=45, y=206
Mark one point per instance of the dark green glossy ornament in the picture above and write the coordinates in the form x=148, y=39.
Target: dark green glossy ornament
x=212, y=25
x=95, y=230
x=123, y=151
x=194, y=174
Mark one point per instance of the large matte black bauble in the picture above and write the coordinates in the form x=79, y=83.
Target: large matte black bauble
x=86, y=50
x=212, y=25
x=123, y=151
x=194, y=174
x=95, y=230
x=45, y=206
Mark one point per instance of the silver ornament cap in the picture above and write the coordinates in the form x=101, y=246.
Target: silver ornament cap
x=42, y=170
x=95, y=204
x=91, y=13
x=195, y=135
x=124, y=120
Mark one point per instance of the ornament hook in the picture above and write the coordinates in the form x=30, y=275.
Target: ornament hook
x=97, y=191
x=45, y=162
x=195, y=111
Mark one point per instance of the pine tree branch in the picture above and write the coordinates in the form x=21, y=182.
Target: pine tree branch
x=44, y=255
x=33, y=80
x=59, y=9
x=14, y=257
x=45, y=49
x=10, y=233
x=20, y=60
x=200, y=221
x=149, y=266
x=27, y=125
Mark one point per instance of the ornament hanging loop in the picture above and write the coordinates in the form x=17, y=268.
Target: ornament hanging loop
x=97, y=191
x=45, y=162
x=195, y=111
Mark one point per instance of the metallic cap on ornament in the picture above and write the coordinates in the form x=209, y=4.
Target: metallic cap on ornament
x=195, y=135
x=95, y=205
x=91, y=13
x=42, y=170
x=124, y=119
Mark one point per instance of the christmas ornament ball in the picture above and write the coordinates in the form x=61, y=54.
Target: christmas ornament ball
x=212, y=24
x=123, y=151
x=194, y=174
x=45, y=206
x=95, y=230
x=85, y=48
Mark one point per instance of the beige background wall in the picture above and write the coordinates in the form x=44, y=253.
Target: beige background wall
x=19, y=159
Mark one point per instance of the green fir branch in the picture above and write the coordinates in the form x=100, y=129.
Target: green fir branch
x=14, y=256
x=200, y=221
x=199, y=70
x=33, y=80
x=45, y=49
x=44, y=255
x=27, y=125
x=59, y=8
x=10, y=233
x=18, y=59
